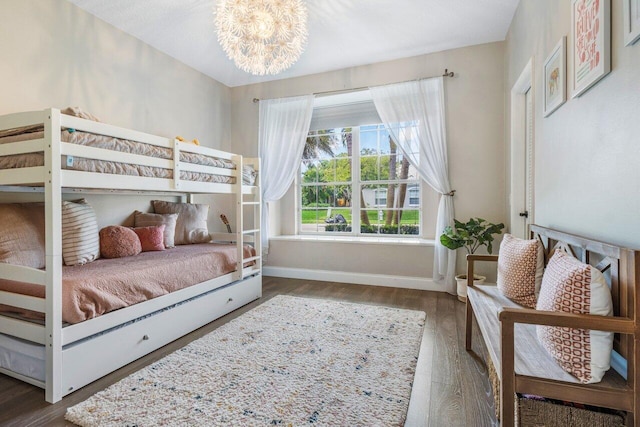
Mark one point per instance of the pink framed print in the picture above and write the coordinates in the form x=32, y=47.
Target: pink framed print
x=591, y=35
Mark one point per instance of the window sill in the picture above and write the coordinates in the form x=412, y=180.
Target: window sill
x=355, y=240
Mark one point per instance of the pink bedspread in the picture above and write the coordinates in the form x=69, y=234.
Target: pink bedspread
x=105, y=285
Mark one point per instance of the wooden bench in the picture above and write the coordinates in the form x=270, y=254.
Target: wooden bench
x=522, y=364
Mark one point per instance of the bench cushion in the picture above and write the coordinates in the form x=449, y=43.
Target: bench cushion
x=571, y=286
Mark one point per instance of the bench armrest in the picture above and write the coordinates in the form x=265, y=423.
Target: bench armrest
x=554, y=318
x=471, y=259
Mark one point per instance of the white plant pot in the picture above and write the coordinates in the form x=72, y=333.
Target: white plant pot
x=461, y=280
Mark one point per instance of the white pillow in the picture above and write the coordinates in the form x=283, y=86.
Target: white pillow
x=571, y=286
x=80, y=239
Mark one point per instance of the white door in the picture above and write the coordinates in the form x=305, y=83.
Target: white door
x=527, y=214
x=522, y=140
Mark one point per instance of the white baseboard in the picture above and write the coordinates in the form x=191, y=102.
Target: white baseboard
x=407, y=282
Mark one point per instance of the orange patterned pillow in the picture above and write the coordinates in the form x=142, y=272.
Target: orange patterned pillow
x=520, y=268
x=571, y=286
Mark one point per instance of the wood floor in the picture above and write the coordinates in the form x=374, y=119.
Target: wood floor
x=450, y=388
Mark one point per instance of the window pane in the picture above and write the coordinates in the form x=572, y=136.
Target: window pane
x=320, y=145
x=389, y=210
x=343, y=169
x=343, y=145
x=391, y=221
x=335, y=170
x=309, y=220
x=405, y=169
x=386, y=164
x=338, y=220
x=368, y=140
x=369, y=168
x=413, y=195
x=386, y=143
x=325, y=196
x=309, y=171
x=308, y=196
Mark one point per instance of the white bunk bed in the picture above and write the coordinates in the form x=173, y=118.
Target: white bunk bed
x=77, y=354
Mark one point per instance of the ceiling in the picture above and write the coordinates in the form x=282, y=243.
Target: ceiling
x=342, y=33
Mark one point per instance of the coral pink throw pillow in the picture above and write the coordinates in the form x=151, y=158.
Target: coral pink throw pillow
x=117, y=242
x=151, y=238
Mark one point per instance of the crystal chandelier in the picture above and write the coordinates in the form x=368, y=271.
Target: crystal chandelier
x=262, y=36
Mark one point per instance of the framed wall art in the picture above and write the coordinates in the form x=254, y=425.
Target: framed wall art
x=555, y=77
x=631, y=14
x=591, y=35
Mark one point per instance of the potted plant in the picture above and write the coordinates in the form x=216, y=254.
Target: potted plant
x=470, y=235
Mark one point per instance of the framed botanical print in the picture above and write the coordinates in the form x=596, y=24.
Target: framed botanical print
x=631, y=14
x=555, y=78
x=591, y=42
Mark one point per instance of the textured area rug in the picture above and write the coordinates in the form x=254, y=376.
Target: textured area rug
x=288, y=362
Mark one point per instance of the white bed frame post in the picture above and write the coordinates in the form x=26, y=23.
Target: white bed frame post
x=239, y=218
x=176, y=165
x=257, y=211
x=53, y=252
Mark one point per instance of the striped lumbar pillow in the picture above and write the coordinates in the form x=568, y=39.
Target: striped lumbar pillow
x=80, y=239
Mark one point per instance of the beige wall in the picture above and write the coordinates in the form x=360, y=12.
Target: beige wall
x=56, y=55
x=587, y=178
x=474, y=107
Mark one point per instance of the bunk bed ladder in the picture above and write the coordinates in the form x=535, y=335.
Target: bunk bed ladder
x=252, y=233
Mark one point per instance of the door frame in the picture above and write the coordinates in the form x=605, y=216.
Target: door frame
x=518, y=164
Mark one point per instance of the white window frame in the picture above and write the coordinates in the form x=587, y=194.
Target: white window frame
x=356, y=203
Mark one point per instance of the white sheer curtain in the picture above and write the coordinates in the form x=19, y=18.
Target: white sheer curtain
x=283, y=128
x=413, y=112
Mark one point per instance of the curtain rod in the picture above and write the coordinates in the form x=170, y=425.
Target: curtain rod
x=447, y=73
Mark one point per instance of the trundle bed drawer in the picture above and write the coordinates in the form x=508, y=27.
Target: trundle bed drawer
x=89, y=360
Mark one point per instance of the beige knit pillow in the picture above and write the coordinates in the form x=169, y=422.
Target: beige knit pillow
x=191, y=226
x=520, y=269
x=571, y=286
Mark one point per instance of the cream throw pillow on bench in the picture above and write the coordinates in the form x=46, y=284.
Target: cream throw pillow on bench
x=520, y=268
x=571, y=286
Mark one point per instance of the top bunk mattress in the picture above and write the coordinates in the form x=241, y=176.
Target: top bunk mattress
x=104, y=285
x=118, y=168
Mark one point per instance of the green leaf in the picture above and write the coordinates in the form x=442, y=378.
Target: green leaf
x=473, y=234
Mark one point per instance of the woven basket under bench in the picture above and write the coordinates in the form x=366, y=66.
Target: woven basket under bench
x=541, y=413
